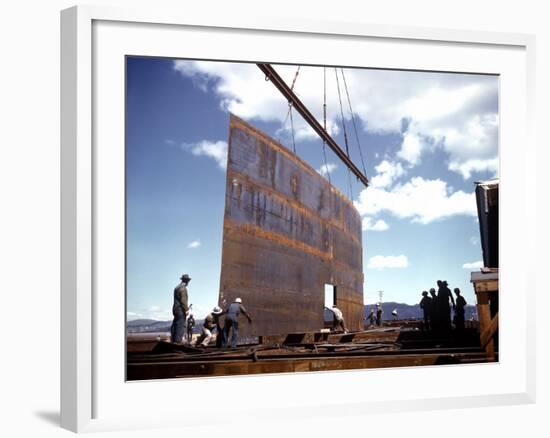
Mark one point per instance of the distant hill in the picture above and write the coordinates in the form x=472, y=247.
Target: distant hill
x=147, y=326
x=152, y=326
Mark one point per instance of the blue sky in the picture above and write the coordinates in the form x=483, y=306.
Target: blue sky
x=425, y=139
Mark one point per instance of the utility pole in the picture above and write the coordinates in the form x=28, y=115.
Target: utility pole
x=380, y=296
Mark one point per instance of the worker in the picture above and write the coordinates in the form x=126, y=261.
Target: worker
x=434, y=318
x=394, y=314
x=219, y=330
x=378, y=314
x=426, y=305
x=208, y=326
x=443, y=308
x=232, y=322
x=190, y=325
x=338, y=323
x=371, y=317
x=459, y=309
x=179, y=310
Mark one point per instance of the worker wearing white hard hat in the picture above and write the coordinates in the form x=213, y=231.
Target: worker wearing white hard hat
x=232, y=322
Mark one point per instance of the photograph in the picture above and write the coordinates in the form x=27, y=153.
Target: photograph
x=294, y=218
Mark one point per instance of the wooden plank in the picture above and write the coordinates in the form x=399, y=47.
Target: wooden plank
x=485, y=320
x=489, y=332
x=486, y=286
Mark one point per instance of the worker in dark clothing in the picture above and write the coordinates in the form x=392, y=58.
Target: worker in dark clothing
x=426, y=306
x=179, y=310
x=210, y=323
x=434, y=317
x=378, y=315
x=190, y=325
x=219, y=330
x=459, y=309
x=232, y=322
x=443, y=308
x=371, y=317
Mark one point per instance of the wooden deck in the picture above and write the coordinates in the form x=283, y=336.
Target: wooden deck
x=376, y=348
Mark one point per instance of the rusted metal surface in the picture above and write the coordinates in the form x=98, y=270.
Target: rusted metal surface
x=296, y=103
x=163, y=369
x=287, y=233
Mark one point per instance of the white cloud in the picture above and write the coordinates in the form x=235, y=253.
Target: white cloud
x=473, y=265
x=325, y=169
x=388, y=172
x=474, y=240
x=458, y=116
x=369, y=224
x=468, y=167
x=241, y=88
x=411, y=147
x=303, y=131
x=419, y=200
x=457, y=113
x=216, y=150
x=194, y=244
x=380, y=262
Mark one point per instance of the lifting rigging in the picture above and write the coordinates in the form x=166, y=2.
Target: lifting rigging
x=344, y=127
x=295, y=102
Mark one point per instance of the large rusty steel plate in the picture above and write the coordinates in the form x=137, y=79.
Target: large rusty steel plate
x=287, y=232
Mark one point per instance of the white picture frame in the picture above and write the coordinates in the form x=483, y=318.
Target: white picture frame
x=92, y=396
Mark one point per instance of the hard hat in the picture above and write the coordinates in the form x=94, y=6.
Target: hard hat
x=185, y=277
x=217, y=310
x=238, y=300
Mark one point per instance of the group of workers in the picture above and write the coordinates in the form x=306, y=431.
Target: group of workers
x=375, y=316
x=212, y=322
x=437, y=308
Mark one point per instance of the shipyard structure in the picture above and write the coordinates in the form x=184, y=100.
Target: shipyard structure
x=287, y=234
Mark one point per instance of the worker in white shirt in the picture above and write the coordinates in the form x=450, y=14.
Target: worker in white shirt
x=394, y=313
x=339, y=323
x=210, y=323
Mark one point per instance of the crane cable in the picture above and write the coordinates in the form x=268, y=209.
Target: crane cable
x=325, y=122
x=289, y=112
x=292, y=129
x=345, y=132
x=353, y=121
